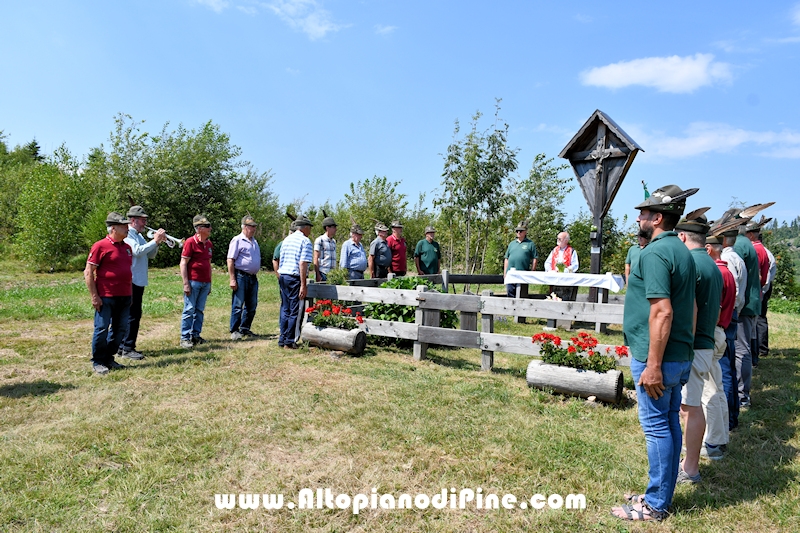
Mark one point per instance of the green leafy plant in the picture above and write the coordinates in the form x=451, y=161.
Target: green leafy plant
x=580, y=353
x=337, y=276
x=406, y=313
x=333, y=314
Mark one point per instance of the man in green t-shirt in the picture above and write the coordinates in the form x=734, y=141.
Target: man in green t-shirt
x=427, y=254
x=657, y=327
x=708, y=294
x=521, y=254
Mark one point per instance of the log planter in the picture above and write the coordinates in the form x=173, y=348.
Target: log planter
x=352, y=341
x=605, y=386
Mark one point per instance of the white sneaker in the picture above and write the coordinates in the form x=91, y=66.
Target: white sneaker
x=235, y=336
x=186, y=343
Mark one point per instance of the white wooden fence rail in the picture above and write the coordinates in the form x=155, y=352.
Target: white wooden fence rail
x=425, y=330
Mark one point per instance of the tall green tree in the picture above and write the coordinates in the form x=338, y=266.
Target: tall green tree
x=180, y=173
x=476, y=170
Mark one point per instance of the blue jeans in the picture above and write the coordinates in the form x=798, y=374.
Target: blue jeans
x=244, y=302
x=355, y=274
x=661, y=424
x=110, y=327
x=730, y=379
x=290, y=308
x=193, y=307
x=744, y=356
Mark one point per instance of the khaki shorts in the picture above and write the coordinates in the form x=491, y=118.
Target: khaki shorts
x=692, y=392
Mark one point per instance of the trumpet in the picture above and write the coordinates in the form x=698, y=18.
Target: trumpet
x=171, y=241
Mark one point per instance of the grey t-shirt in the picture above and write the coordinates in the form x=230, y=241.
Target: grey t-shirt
x=381, y=251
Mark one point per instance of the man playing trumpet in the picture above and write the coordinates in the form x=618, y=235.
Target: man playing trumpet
x=143, y=251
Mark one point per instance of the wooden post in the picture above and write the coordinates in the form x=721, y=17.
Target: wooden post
x=602, y=298
x=487, y=326
x=522, y=292
x=420, y=348
x=445, y=281
x=468, y=321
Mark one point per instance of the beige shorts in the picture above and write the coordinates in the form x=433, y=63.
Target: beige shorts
x=692, y=392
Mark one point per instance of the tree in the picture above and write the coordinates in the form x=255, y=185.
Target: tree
x=181, y=173
x=53, y=205
x=473, y=195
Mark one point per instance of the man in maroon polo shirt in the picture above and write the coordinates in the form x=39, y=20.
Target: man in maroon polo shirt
x=196, y=274
x=109, y=280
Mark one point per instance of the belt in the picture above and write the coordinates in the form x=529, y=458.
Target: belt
x=242, y=272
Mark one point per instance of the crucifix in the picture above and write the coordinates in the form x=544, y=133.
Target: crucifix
x=600, y=154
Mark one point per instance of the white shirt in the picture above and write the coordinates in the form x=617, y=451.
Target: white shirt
x=739, y=271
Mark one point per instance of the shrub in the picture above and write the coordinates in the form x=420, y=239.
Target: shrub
x=406, y=313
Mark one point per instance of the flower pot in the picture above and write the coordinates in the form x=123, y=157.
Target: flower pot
x=606, y=386
x=352, y=341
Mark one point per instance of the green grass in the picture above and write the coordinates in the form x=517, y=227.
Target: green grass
x=146, y=449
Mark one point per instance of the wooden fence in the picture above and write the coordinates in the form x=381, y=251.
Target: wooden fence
x=425, y=330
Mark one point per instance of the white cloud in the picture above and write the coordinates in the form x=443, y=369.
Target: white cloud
x=307, y=16
x=796, y=15
x=248, y=10
x=384, y=30
x=215, y=5
x=672, y=74
x=704, y=137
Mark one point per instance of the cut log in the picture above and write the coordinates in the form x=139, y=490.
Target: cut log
x=352, y=341
x=606, y=386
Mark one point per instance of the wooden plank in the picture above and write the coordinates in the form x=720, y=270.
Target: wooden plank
x=420, y=348
x=586, y=155
x=468, y=321
x=485, y=279
x=385, y=328
x=581, y=311
x=487, y=326
x=451, y=302
x=363, y=294
x=449, y=337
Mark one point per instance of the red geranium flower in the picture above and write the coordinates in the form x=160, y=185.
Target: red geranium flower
x=326, y=312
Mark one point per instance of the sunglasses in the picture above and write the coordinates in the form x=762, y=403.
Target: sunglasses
x=204, y=225
x=520, y=230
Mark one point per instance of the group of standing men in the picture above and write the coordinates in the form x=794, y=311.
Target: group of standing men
x=697, y=370
x=116, y=276
x=295, y=254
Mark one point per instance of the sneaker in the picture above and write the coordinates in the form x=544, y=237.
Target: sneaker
x=198, y=340
x=715, y=453
x=100, y=370
x=684, y=478
x=116, y=366
x=248, y=333
x=132, y=354
x=235, y=336
x=744, y=404
x=186, y=343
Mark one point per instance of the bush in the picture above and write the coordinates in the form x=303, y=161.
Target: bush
x=784, y=305
x=406, y=313
x=53, y=205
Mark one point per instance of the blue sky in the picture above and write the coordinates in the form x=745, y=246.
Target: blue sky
x=328, y=92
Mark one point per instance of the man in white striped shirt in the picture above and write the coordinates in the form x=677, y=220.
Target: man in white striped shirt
x=296, y=256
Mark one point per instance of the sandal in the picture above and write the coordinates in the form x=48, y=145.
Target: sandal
x=639, y=512
x=634, y=498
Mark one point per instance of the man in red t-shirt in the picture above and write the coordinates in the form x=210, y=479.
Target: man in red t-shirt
x=196, y=274
x=108, y=278
x=397, y=245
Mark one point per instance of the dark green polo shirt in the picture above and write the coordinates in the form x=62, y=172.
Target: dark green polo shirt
x=429, y=256
x=665, y=270
x=752, y=296
x=520, y=255
x=708, y=294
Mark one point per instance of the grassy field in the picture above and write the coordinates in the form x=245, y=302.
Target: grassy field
x=147, y=448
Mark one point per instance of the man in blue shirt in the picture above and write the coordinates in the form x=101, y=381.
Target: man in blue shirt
x=244, y=262
x=354, y=257
x=296, y=255
x=143, y=251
